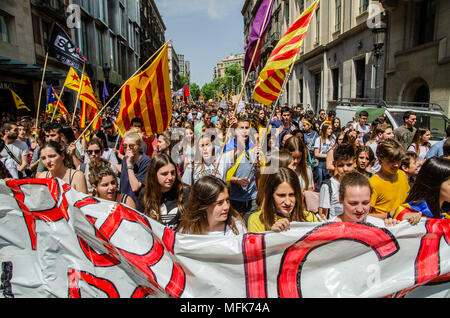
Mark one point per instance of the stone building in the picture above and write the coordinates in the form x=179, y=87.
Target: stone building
x=337, y=59
x=418, y=51
x=174, y=68
x=109, y=35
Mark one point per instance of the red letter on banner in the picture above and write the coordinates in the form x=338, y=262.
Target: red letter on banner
x=51, y=215
x=143, y=262
x=253, y=248
x=380, y=240
x=104, y=285
x=427, y=261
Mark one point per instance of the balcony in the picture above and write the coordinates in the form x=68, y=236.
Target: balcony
x=55, y=7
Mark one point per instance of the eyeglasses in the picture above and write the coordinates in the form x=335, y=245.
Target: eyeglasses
x=96, y=151
x=125, y=146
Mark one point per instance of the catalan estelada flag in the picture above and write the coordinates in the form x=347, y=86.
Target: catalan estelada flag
x=421, y=207
x=148, y=96
x=271, y=78
x=52, y=99
x=72, y=80
x=18, y=101
x=90, y=104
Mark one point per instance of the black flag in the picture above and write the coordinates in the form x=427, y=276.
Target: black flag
x=62, y=48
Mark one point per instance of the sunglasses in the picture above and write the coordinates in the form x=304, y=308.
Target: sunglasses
x=96, y=151
x=125, y=146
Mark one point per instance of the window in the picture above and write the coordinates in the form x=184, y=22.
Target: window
x=335, y=76
x=82, y=38
x=360, y=70
x=300, y=86
x=85, y=5
x=99, y=47
x=318, y=91
x=424, y=22
x=4, y=34
x=36, y=29
x=363, y=6
x=112, y=48
x=103, y=11
x=338, y=15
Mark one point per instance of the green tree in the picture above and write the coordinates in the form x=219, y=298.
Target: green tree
x=209, y=91
x=233, y=76
x=183, y=79
x=195, y=91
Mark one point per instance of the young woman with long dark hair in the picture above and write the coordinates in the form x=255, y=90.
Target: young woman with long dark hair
x=54, y=158
x=208, y=210
x=282, y=204
x=164, y=195
x=430, y=194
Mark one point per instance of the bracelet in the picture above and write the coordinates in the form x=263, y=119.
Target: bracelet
x=130, y=167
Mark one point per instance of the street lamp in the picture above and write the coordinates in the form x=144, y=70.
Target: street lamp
x=379, y=37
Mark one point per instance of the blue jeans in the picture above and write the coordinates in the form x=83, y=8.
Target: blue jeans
x=322, y=172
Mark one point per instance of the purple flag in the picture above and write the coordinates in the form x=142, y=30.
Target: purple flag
x=105, y=94
x=258, y=29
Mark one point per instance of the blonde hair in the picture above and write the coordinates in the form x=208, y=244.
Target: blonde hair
x=135, y=133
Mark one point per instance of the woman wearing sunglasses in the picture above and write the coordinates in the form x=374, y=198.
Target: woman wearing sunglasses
x=94, y=152
x=134, y=166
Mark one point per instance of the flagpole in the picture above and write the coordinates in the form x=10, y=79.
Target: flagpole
x=253, y=58
x=274, y=107
x=78, y=94
x=57, y=104
x=40, y=92
x=114, y=95
x=245, y=82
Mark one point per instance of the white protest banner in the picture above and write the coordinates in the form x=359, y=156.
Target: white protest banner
x=56, y=242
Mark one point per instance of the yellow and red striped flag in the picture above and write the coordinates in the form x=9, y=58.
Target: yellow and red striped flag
x=72, y=80
x=148, y=96
x=271, y=78
x=90, y=104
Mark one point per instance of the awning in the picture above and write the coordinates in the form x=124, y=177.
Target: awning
x=27, y=70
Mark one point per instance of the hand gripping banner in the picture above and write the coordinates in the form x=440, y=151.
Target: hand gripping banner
x=56, y=242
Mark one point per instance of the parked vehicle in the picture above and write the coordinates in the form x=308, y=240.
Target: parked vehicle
x=429, y=115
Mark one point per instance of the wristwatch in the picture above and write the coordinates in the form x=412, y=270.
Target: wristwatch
x=130, y=167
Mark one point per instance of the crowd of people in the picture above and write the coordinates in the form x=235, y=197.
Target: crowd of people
x=219, y=172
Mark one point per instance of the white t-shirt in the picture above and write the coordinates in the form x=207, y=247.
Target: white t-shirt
x=370, y=219
x=363, y=129
x=18, y=149
x=208, y=169
x=323, y=147
x=228, y=231
x=332, y=204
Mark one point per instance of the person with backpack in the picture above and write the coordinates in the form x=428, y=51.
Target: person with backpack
x=344, y=161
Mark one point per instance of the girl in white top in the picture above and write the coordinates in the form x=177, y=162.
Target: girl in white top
x=354, y=195
x=208, y=210
x=420, y=145
x=203, y=163
x=299, y=163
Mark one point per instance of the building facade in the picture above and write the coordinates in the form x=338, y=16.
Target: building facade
x=108, y=33
x=152, y=35
x=418, y=51
x=337, y=57
x=174, y=68
x=24, y=29
x=219, y=70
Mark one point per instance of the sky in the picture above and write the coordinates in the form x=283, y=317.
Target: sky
x=205, y=31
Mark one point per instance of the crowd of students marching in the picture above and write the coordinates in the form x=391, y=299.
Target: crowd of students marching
x=216, y=172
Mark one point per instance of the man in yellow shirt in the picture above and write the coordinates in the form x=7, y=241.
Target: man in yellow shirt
x=390, y=185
